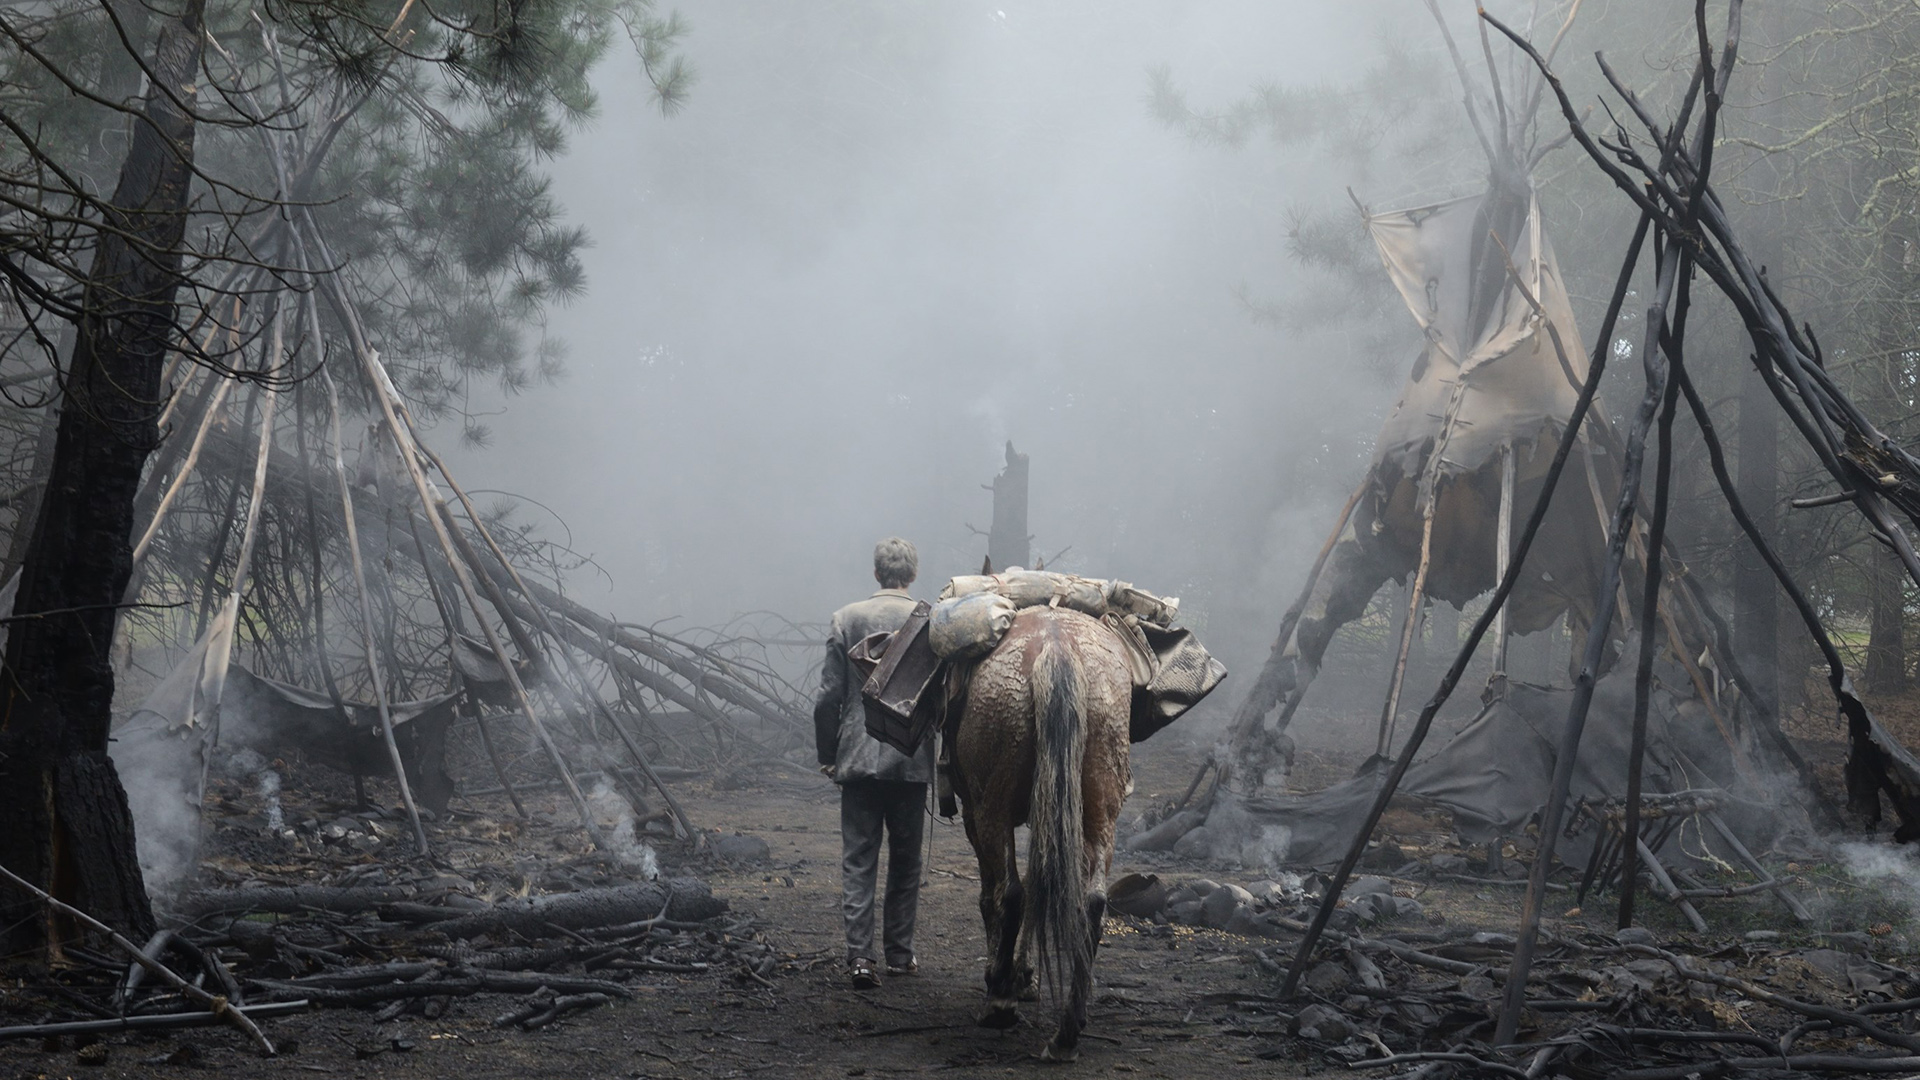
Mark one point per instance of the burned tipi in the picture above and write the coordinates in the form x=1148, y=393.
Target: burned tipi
x=1489, y=398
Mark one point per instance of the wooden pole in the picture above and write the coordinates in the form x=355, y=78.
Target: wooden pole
x=316, y=591
x=180, y=478
x=220, y=645
x=1597, y=634
x=250, y=532
x=1792, y=902
x=1649, y=609
x=385, y=394
x=435, y=507
x=1391, y=710
x=499, y=599
x=1850, y=706
x=582, y=688
x=1638, y=850
x=1503, y=555
x=312, y=308
x=367, y=643
x=1265, y=692
x=1603, y=518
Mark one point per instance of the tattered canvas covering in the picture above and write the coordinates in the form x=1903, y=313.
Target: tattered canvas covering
x=1477, y=388
x=184, y=697
x=272, y=718
x=1470, y=393
x=1495, y=773
x=1488, y=377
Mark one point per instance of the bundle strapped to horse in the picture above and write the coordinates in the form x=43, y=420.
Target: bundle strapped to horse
x=1060, y=675
x=1172, y=671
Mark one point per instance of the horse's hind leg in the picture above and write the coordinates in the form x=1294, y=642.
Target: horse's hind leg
x=1103, y=799
x=1065, y=1045
x=1025, y=985
x=1003, y=985
x=1002, y=906
x=1083, y=979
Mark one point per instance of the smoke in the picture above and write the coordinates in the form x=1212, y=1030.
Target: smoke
x=627, y=847
x=270, y=791
x=1235, y=836
x=1896, y=868
x=160, y=770
x=952, y=227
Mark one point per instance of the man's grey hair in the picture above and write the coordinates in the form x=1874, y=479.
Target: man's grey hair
x=895, y=563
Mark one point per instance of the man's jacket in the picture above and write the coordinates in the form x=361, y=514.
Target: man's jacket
x=840, y=718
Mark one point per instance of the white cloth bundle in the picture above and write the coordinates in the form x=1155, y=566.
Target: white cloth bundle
x=1091, y=596
x=968, y=627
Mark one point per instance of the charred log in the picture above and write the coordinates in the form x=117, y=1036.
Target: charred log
x=683, y=899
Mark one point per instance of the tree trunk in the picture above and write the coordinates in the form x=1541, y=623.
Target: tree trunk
x=68, y=827
x=1007, y=542
x=1756, y=623
x=1756, y=596
x=119, y=83
x=1886, y=669
x=1886, y=647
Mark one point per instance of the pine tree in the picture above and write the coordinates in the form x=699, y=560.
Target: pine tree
x=415, y=137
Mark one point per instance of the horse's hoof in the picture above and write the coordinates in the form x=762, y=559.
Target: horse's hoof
x=1061, y=1055
x=1000, y=1015
x=1029, y=988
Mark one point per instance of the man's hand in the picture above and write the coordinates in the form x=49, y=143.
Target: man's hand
x=827, y=771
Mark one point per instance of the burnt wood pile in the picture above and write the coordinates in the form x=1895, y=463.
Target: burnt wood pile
x=1392, y=986
x=1561, y=1008
x=397, y=949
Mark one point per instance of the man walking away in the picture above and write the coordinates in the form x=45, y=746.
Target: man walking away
x=881, y=789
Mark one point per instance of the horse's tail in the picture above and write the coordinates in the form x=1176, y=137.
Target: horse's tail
x=1056, y=861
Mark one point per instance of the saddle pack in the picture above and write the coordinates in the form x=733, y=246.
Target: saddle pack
x=916, y=677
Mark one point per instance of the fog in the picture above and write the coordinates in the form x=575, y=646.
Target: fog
x=881, y=240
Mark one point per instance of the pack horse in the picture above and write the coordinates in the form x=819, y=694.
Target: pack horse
x=1059, y=675
x=1043, y=741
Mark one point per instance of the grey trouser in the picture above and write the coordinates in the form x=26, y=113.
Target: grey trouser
x=866, y=808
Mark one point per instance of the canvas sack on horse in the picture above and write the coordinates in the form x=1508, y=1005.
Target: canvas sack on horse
x=1031, y=588
x=900, y=712
x=1172, y=671
x=968, y=627
x=1184, y=673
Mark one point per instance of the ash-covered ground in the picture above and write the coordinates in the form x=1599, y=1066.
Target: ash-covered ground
x=759, y=988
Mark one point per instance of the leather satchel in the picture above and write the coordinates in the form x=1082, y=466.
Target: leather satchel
x=900, y=710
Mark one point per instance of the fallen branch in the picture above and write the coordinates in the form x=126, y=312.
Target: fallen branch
x=161, y=1022
x=372, y=975
x=1840, y=1063
x=1760, y=993
x=292, y=899
x=442, y=982
x=156, y=945
x=1400, y=950
x=218, y=1006
x=684, y=899
x=1518, y=883
x=544, y=1009
x=1443, y=1057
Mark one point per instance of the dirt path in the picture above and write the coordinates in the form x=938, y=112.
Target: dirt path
x=1146, y=1021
